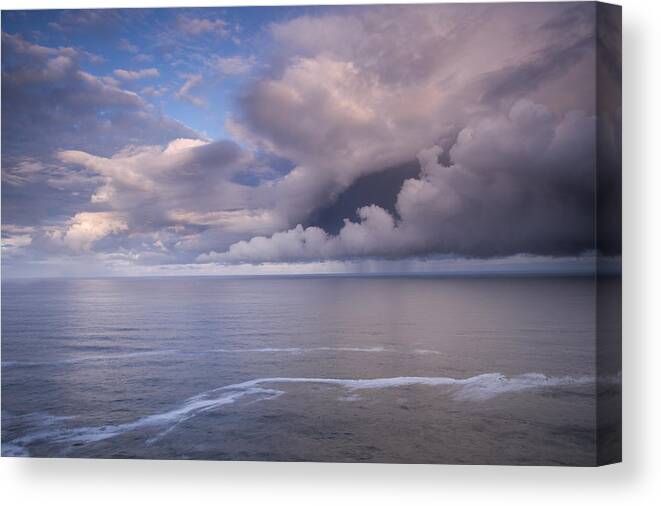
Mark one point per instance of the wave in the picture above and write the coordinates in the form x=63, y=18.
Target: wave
x=14, y=450
x=38, y=418
x=480, y=387
x=419, y=351
x=89, y=358
x=169, y=419
x=138, y=354
x=476, y=388
x=296, y=350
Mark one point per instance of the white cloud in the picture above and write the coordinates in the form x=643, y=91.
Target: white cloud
x=16, y=241
x=84, y=229
x=133, y=75
x=142, y=58
x=184, y=93
x=155, y=91
x=22, y=172
x=15, y=245
x=200, y=26
x=250, y=221
x=125, y=45
x=136, y=172
x=233, y=65
x=50, y=98
x=182, y=192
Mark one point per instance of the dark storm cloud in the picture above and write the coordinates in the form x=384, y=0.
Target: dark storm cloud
x=380, y=189
x=518, y=177
x=520, y=182
x=516, y=80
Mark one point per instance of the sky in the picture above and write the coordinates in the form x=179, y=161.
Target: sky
x=286, y=140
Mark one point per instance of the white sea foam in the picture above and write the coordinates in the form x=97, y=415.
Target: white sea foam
x=481, y=387
x=169, y=419
x=419, y=351
x=476, y=388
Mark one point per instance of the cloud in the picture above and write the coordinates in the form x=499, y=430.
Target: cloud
x=468, y=105
x=233, y=65
x=132, y=75
x=515, y=183
x=23, y=172
x=48, y=97
x=359, y=93
x=14, y=244
x=236, y=220
x=182, y=195
x=297, y=244
x=19, y=45
x=188, y=166
x=51, y=104
x=184, y=93
x=155, y=91
x=152, y=204
x=28, y=171
x=84, y=229
x=125, y=45
x=142, y=57
x=194, y=26
x=97, y=20
x=15, y=239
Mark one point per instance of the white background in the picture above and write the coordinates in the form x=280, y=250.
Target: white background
x=636, y=481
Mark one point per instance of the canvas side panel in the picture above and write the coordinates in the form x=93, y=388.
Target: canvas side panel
x=609, y=233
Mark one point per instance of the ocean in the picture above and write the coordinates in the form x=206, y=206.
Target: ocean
x=417, y=369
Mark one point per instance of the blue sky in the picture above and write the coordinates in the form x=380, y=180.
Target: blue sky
x=305, y=139
x=141, y=39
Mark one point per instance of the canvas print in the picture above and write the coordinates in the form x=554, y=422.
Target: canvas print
x=315, y=233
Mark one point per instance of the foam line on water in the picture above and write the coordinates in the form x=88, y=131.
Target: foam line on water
x=291, y=350
x=480, y=387
x=299, y=350
x=295, y=350
x=419, y=351
x=89, y=358
x=169, y=419
x=476, y=388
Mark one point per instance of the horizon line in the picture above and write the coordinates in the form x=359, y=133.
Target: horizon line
x=489, y=274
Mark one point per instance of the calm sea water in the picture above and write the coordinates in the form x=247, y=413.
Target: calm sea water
x=358, y=369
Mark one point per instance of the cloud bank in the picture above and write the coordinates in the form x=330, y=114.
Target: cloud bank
x=477, y=123
x=518, y=183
